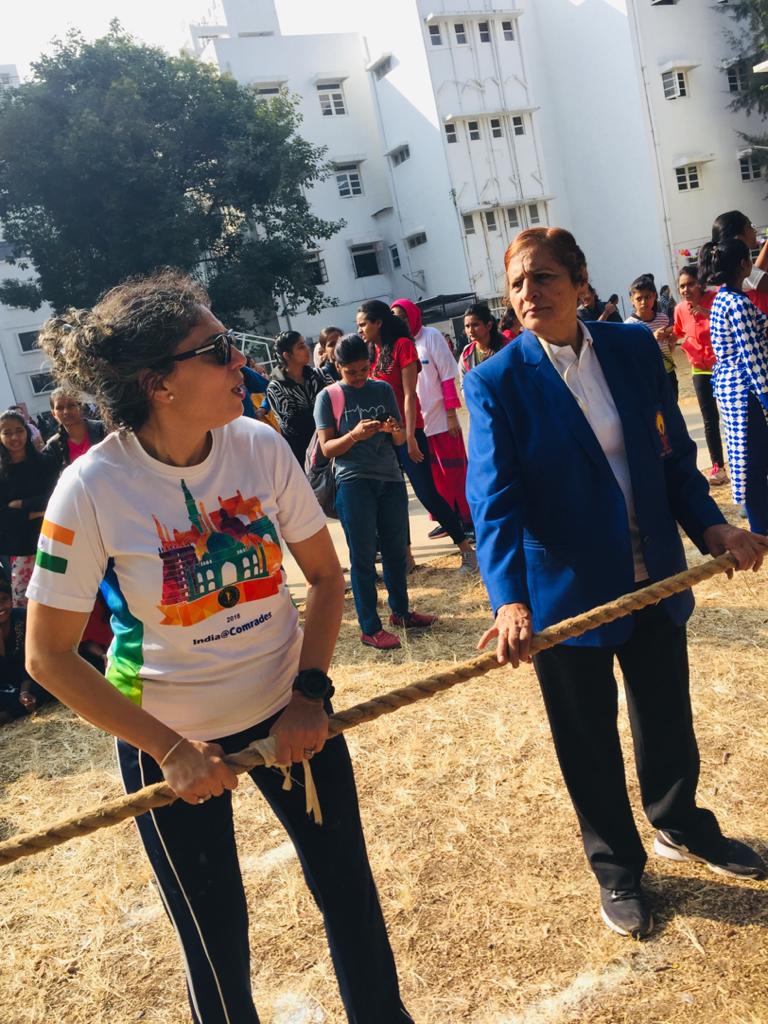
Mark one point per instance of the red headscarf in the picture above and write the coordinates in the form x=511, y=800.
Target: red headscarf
x=413, y=313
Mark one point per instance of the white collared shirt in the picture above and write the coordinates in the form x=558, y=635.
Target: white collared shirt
x=584, y=378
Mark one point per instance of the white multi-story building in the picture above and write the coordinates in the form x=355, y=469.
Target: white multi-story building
x=689, y=79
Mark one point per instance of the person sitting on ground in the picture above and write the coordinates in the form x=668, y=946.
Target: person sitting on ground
x=592, y=309
x=19, y=695
x=645, y=303
x=76, y=434
x=692, y=328
x=293, y=387
x=485, y=338
x=581, y=473
x=371, y=498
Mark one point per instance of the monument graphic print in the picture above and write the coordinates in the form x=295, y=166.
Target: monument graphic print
x=226, y=557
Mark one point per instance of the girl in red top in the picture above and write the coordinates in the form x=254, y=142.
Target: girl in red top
x=395, y=360
x=692, y=325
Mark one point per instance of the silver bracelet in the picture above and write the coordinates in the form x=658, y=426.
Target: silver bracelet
x=174, y=747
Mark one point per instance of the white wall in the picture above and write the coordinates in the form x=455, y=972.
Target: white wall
x=597, y=146
x=699, y=124
x=16, y=366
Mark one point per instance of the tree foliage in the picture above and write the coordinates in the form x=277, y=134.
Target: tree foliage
x=748, y=39
x=116, y=159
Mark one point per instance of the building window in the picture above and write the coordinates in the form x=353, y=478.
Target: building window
x=737, y=77
x=393, y=252
x=366, y=260
x=383, y=68
x=508, y=31
x=400, y=155
x=533, y=213
x=461, y=32
x=331, y=100
x=513, y=217
x=474, y=130
x=265, y=91
x=414, y=241
x=675, y=84
x=749, y=166
x=435, y=36
x=28, y=341
x=484, y=28
x=496, y=131
x=450, y=133
x=469, y=224
x=42, y=383
x=687, y=177
x=490, y=220
x=318, y=271
x=518, y=125
x=348, y=180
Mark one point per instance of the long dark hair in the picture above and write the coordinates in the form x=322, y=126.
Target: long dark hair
x=284, y=343
x=720, y=263
x=392, y=330
x=483, y=313
x=729, y=225
x=30, y=452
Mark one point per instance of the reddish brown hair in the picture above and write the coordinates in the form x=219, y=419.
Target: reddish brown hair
x=561, y=244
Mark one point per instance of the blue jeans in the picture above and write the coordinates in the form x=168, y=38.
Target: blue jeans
x=367, y=508
x=756, y=490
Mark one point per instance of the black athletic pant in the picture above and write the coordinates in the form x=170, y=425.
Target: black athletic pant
x=423, y=484
x=702, y=385
x=580, y=695
x=193, y=854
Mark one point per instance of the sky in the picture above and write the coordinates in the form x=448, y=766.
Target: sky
x=28, y=26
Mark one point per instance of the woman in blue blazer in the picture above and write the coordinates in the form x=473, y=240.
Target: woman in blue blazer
x=580, y=471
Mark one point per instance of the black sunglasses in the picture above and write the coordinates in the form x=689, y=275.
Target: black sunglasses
x=220, y=345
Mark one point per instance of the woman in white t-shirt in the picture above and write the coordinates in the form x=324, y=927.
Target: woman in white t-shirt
x=181, y=515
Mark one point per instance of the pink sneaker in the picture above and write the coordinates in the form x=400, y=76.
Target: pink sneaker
x=717, y=476
x=382, y=641
x=413, y=620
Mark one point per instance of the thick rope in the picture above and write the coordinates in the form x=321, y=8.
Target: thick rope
x=161, y=794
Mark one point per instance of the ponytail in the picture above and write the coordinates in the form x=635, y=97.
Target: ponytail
x=720, y=262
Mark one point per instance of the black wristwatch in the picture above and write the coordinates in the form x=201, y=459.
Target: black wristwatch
x=313, y=684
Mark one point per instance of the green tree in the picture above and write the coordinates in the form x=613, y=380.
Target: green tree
x=116, y=159
x=748, y=39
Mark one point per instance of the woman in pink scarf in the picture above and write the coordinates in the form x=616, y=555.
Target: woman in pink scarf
x=436, y=388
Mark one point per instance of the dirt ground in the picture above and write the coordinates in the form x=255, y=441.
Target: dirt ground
x=491, y=908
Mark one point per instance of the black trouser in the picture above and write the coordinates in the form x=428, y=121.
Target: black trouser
x=580, y=696
x=702, y=385
x=193, y=854
x=423, y=484
x=675, y=385
x=756, y=477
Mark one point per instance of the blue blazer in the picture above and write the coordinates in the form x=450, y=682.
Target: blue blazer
x=550, y=518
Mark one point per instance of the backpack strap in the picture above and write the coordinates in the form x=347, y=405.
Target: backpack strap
x=338, y=401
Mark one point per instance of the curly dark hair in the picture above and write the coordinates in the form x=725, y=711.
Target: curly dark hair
x=133, y=328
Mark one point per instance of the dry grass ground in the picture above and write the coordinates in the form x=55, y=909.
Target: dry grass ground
x=490, y=905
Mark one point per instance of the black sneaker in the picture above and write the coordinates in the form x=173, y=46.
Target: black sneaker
x=437, y=533
x=626, y=912
x=736, y=859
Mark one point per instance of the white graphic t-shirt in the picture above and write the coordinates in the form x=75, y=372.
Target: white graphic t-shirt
x=189, y=561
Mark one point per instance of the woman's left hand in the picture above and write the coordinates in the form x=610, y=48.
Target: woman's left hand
x=454, y=428
x=749, y=549
x=300, y=731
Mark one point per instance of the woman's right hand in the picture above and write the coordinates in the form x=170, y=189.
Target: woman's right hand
x=512, y=631
x=364, y=429
x=196, y=770
x=415, y=453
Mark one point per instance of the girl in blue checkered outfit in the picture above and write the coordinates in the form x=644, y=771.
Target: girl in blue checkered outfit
x=740, y=342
